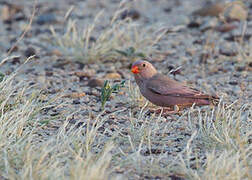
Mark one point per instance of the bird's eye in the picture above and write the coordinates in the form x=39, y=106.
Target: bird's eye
x=144, y=65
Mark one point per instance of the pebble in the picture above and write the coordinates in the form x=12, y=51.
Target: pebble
x=56, y=52
x=210, y=10
x=209, y=23
x=9, y=11
x=30, y=51
x=46, y=19
x=240, y=68
x=15, y=60
x=95, y=83
x=76, y=101
x=228, y=49
x=75, y=95
x=131, y=13
x=228, y=52
x=233, y=83
x=49, y=73
x=236, y=12
x=113, y=76
x=226, y=27
x=82, y=74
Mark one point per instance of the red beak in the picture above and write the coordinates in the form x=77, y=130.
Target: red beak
x=135, y=69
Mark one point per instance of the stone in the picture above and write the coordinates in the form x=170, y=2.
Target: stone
x=95, y=83
x=113, y=76
x=210, y=10
x=48, y=18
x=30, y=51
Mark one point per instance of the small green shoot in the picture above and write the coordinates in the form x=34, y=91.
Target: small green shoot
x=1, y=76
x=130, y=52
x=107, y=90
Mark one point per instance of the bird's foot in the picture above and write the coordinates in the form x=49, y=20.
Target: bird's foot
x=166, y=111
x=160, y=110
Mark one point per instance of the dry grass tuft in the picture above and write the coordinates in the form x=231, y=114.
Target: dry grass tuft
x=92, y=44
x=30, y=149
x=224, y=135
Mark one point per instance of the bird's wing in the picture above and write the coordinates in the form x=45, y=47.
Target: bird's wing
x=162, y=85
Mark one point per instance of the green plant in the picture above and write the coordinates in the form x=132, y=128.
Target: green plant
x=107, y=90
x=1, y=76
x=130, y=52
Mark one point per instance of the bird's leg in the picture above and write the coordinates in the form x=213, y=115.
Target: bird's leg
x=166, y=111
x=174, y=111
x=160, y=109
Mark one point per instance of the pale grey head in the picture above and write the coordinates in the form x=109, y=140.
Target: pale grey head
x=143, y=69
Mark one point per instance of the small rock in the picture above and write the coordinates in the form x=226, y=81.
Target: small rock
x=171, y=67
x=242, y=86
x=167, y=9
x=92, y=39
x=95, y=83
x=113, y=76
x=76, y=101
x=226, y=27
x=236, y=11
x=61, y=63
x=210, y=10
x=75, y=95
x=20, y=17
x=233, y=83
x=191, y=51
x=131, y=13
x=6, y=14
x=56, y=52
x=210, y=23
x=15, y=60
x=46, y=19
x=193, y=24
x=49, y=73
x=54, y=113
x=84, y=74
x=81, y=65
x=198, y=41
x=228, y=52
x=176, y=177
x=240, y=68
x=86, y=99
x=147, y=152
x=228, y=49
x=236, y=37
x=30, y=51
x=9, y=11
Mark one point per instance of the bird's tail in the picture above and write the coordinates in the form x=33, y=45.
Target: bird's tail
x=205, y=99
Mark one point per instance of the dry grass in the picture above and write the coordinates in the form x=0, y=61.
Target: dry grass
x=118, y=34
x=225, y=136
x=218, y=145
x=29, y=150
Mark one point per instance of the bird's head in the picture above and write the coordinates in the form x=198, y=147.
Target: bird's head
x=143, y=69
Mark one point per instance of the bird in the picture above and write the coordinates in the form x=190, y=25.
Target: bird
x=164, y=92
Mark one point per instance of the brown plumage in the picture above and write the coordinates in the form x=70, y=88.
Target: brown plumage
x=166, y=92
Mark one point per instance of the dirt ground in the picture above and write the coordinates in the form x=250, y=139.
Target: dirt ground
x=212, y=46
